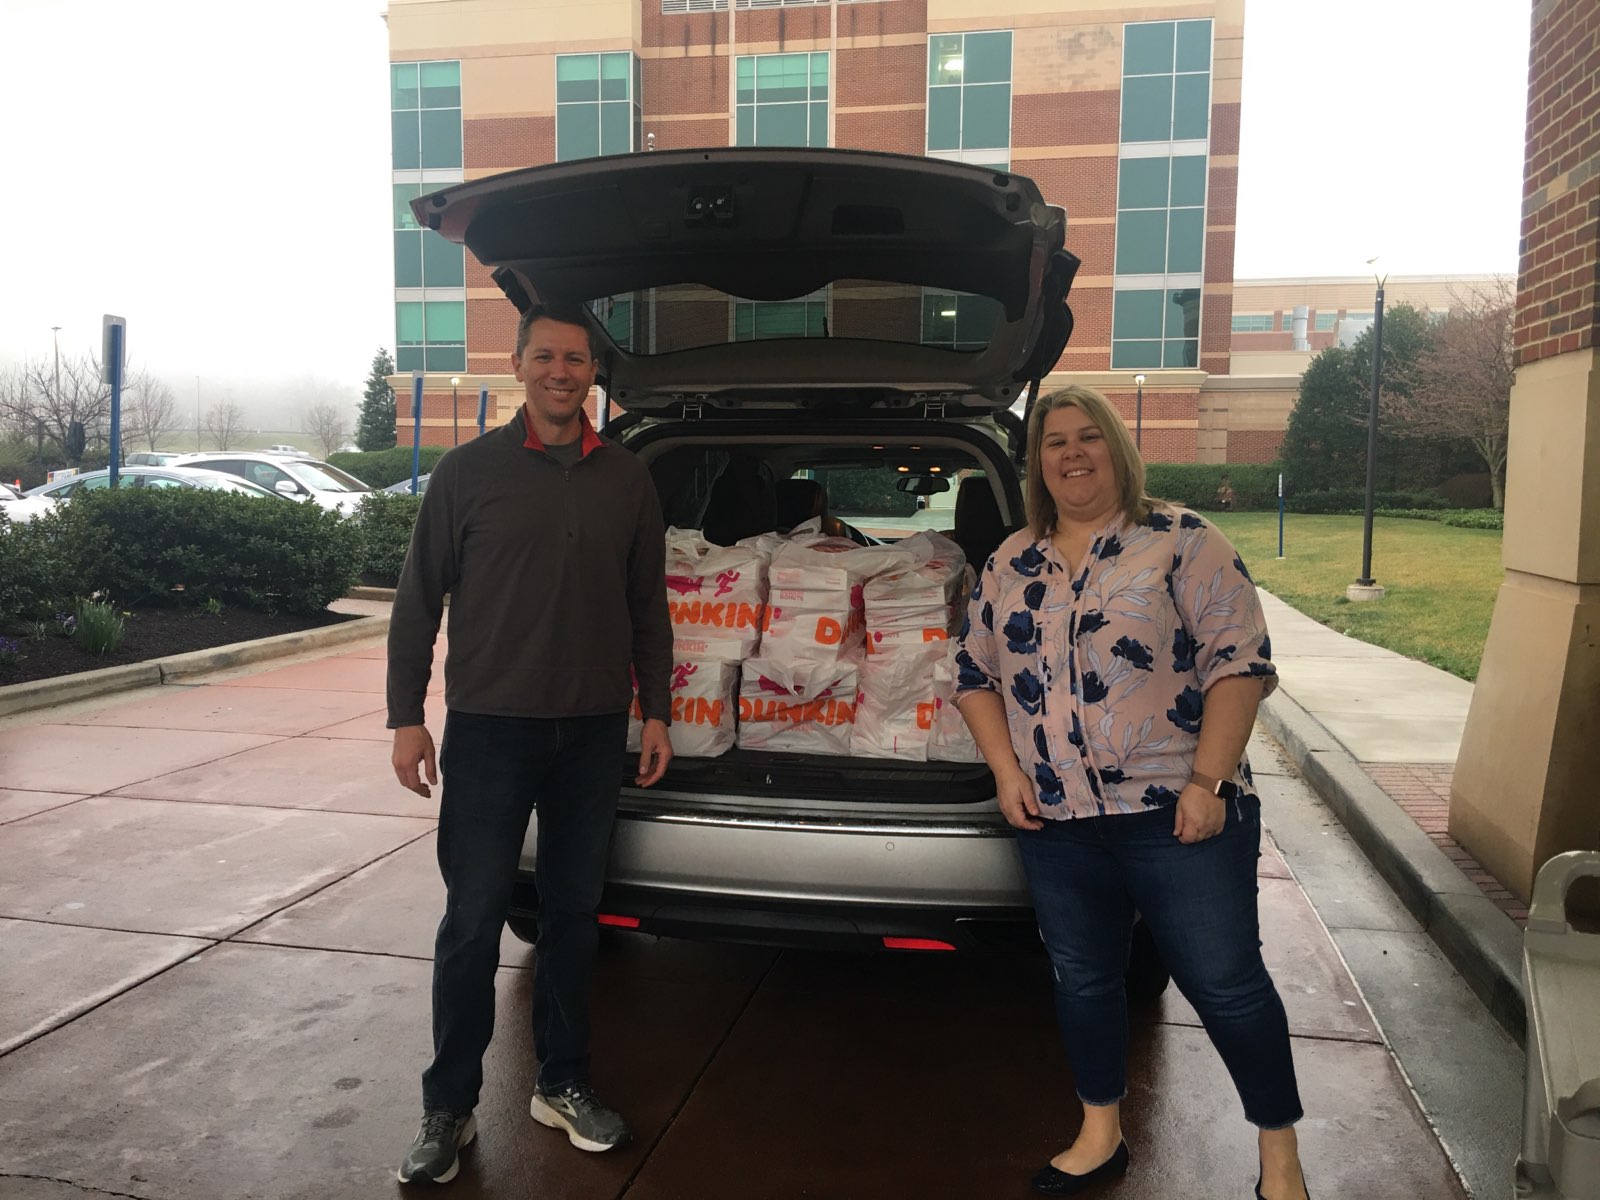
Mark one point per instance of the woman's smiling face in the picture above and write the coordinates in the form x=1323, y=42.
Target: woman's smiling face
x=1075, y=462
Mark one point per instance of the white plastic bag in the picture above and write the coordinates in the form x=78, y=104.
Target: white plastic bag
x=716, y=595
x=816, y=606
x=917, y=605
x=952, y=741
x=802, y=707
x=705, y=706
x=897, y=703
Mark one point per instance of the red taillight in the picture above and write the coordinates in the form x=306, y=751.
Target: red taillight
x=900, y=943
x=619, y=921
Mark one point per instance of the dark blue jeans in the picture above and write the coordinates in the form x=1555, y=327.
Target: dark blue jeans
x=1089, y=876
x=496, y=771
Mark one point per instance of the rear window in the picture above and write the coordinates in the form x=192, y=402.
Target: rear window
x=691, y=316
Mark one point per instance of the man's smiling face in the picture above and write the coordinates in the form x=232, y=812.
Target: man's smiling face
x=556, y=371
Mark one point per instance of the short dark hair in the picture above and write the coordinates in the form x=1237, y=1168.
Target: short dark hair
x=564, y=314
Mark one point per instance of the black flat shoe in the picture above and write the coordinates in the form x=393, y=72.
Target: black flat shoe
x=1259, y=1196
x=1052, y=1182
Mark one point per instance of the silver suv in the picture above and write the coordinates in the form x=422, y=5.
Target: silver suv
x=866, y=322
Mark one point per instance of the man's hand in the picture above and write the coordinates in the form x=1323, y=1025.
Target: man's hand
x=413, y=747
x=655, y=752
x=1018, y=804
x=1200, y=815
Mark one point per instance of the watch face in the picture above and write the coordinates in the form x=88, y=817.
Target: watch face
x=1228, y=790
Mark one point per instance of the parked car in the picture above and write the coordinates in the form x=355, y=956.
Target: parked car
x=15, y=506
x=404, y=486
x=148, y=477
x=152, y=458
x=801, y=849
x=281, y=449
x=298, y=477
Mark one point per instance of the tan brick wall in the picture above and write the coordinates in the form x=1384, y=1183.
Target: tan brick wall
x=684, y=85
x=903, y=131
x=1557, y=303
x=1085, y=187
x=1065, y=119
x=1253, y=445
x=886, y=18
x=881, y=75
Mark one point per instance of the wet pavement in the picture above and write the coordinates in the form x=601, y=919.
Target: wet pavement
x=216, y=914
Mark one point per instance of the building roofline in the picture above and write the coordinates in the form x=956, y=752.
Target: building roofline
x=1340, y=280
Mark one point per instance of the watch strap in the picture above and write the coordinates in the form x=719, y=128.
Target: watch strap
x=1225, y=788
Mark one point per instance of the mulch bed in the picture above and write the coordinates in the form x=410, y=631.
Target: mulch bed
x=157, y=633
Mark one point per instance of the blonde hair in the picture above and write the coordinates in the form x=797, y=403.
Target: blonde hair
x=1127, y=468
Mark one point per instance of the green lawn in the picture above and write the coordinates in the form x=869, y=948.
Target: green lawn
x=1441, y=581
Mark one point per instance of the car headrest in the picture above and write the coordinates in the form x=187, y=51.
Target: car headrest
x=979, y=528
x=799, y=500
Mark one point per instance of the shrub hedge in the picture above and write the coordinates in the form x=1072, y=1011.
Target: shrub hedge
x=381, y=468
x=1460, y=518
x=1195, y=485
x=385, y=520
x=178, y=546
x=1347, y=500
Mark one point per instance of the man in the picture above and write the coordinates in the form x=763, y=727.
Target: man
x=549, y=541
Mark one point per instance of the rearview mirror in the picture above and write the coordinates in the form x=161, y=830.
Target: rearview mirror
x=286, y=487
x=922, y=485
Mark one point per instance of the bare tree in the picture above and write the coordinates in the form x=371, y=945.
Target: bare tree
x=224, y=422
x=1463, y=383
x=149, y=409
x=42, y=405
x=328, y=425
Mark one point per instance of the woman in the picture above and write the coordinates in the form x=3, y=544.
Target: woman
x=1111, y=665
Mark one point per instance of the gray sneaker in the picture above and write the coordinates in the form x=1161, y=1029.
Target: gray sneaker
x=590, y=1125
x=435, y=1155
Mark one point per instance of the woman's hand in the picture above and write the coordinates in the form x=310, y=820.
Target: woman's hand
x=1018, y=804
x=1201, y=815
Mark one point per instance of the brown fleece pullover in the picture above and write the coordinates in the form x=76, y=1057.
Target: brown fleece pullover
x=556, y=582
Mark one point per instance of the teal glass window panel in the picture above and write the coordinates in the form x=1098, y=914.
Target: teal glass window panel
x=408, y=358
x=1255, y=323
x=408, y=324
x=944, y=58
x=1355, y=316
x=1142, y=183
x=441, y=137
x=745, y=125
x=1141, y=242
x=1186, y=240
x=782, y=77
x=819, y=75
x=1182, y=352
x=818, y=131
x=939, y=312
x=976, y=319
x=1000, y=168
x=1288, y=321
x=403, y=138
x=619, y=323
x=744, y=322
x=944, y=118
x=1134, y=356
x=614, y=124
x=407, y=258
x=614, y=72
x=441, y=84
x=1189, y=180
x=1191, y=109
x=1147, y=109
x=443, y=263
x=1325, y=322
x=577, y=131
x=781, y=124
x=1183, y=313
x=985, y=115
x=1136, y=314
x=445, y=358
x=1194, y=46
x=1147, y=48
x=577, y=77
x=745, y=81
x=986, y=58
x=403, y=85
x=445, y=320
x=404, y=194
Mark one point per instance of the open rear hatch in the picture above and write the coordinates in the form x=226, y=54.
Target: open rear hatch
x=906, y=279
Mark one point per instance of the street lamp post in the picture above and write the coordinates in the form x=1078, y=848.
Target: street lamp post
x=1138, y=413
x=455, y=411
x=55, y=335
x=1365, y=587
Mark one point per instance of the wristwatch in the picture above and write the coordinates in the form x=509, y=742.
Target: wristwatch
x=1226, y=788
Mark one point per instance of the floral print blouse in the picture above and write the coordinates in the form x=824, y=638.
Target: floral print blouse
x=1104, y=673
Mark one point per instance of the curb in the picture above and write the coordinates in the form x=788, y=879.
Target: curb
x=86, y=685
x=1479, y=940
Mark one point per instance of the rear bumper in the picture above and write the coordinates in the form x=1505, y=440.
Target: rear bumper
x=823, y=881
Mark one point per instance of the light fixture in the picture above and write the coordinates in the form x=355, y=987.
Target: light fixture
x=935, y=470
x=903, y=470
x=954, y=64
x=947, y=312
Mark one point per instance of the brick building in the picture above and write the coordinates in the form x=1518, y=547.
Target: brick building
x=1127, y=119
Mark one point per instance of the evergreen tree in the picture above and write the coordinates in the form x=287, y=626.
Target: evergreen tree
x=375, y=426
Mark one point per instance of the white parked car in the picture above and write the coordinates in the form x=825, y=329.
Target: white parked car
x=285, y=450
x=146, y=477
x=299, y=477
x=17, y=507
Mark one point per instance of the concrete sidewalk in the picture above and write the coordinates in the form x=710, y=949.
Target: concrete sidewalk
x=1377, y=734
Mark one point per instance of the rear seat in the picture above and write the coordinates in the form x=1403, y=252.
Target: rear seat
x=979, y=528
